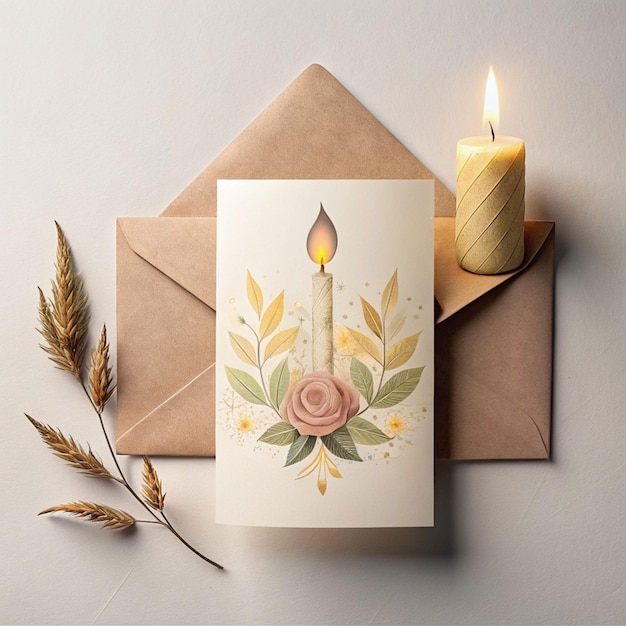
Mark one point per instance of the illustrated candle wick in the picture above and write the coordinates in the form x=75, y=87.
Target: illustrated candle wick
x=493, y=135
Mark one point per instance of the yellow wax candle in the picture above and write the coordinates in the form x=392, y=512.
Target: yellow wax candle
x=490, y=197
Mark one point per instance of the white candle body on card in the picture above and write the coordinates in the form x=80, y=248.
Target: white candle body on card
x=322, y=322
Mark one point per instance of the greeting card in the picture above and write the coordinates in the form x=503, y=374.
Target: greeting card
x=324, y=353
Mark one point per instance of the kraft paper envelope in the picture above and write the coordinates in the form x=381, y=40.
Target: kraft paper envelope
x=493, y=335
x=165, y=335
x=493, y=352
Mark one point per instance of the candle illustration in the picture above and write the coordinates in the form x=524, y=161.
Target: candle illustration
x=321, y=245
x=490, y=196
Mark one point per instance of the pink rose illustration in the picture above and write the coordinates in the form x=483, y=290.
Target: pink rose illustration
x=319, y=403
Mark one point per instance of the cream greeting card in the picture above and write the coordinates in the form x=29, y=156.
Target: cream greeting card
x=324, y=353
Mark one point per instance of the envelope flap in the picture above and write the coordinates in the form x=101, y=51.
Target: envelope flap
x=182, y=248
x=315, y=129
x=455, y=288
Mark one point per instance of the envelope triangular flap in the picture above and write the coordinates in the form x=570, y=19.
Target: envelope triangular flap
x=184, y=250
x=315, y=129
x=455, y=288
x=168, y=429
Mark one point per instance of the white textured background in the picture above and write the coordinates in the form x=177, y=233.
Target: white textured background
x=112, y=108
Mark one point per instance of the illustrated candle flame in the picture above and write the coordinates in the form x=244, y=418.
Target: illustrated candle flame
x=321, y=244
x=491, y=112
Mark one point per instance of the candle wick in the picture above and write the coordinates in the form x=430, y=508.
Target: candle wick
x=322, y=271
x=493, y=135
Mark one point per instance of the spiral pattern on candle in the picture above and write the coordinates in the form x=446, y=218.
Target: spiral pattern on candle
x=490, y=208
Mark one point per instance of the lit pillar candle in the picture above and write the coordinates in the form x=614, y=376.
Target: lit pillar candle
x=321, y=246
x=490, y=197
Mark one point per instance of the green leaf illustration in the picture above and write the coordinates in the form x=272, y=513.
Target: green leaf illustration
x=279, y=382
x=279, y=434
x=362, y=379
x=365, y=432
x=364, y=345
x=245, y=386
x=243, y=348
x=281, y=342
x=300, y=449
x=341, y=444
x=272, y=316
x=397, y=388
x=372, y=319
x=389, y=298
x=255, y=295
x=401, y=352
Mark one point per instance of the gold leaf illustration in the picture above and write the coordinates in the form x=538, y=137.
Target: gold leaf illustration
x=313, y=465
x=372, y=319
x=334, y=471
x=402, y=351
x=365, y=346
x=389, y=298
x=322, y=463
x=243, y=348
x=255, y=295
x=272, y=316
x=281, y=342
x=322, y=482
x=396, y=325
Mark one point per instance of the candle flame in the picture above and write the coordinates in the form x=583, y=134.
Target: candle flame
x=491, y=112
x=321, y=244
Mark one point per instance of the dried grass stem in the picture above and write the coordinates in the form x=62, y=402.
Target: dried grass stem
x=64, y=321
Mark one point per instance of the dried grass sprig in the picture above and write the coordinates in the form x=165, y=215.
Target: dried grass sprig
x=71, y=452
x=65, y=319
x=152, y=488
x=64, y=326
x=110, y=517
x=101, y=385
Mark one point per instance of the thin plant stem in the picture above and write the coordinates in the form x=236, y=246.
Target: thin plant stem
x=164, y=522
x=384, y=369
x=260, y=366
x=171, y=528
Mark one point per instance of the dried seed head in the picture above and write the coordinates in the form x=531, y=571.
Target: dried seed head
x=101, y=385
x=110, y=517
x=152, y=488
x=71, y=452
x=65, y=319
